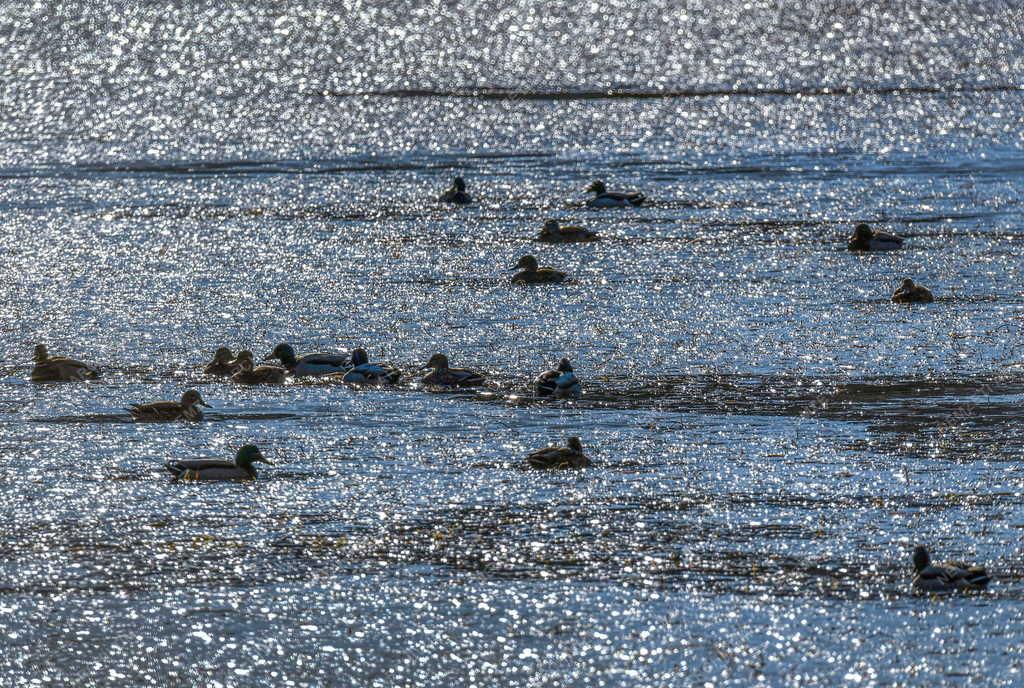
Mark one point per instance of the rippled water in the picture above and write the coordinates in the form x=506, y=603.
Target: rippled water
x=771, y=435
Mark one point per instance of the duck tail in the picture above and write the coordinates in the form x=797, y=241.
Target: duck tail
x=977, y=577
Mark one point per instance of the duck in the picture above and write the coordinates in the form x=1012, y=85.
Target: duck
x=606, y=199
x=866, y=239
x=443, y=376
x=186, y=409
x=365, y=373
x=456, y=193
x=948, y=577
x=59, y=368
x=532, y=274
x=223, y=363
x=552, y=233
x=571, y=456
x=310, y=364
x=912, y=293
x=245, y=373
x=560, y=383
x=216, y=469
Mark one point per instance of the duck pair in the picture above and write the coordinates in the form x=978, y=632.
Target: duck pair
x=947, y=577
x=456, y=194
x=242, y=467
x=241, y=368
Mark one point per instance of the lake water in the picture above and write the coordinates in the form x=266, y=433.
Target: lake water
x=771, y=435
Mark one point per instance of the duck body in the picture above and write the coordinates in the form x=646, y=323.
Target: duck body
x=571, y=456
x=532, y=273
x=552, y=233
x=560, y=383
x=223, y=363
x=216, y=469
x=866, y=239
x=308, y=365
x=457, y=193
x=909, y=292
x=185, y=409
x=59, y=368
x=606, y=199
x=246, y=374
x=443, y=376
x=947, y=577
x=363, y=372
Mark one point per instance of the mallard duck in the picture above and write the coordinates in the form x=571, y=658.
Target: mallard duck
x=571, y=456
x=248, y=374
x=552, y=233
x=223, y=363
x=365, y=373
x=912, y=293
x=532, y=274
x=866, y=239
x=443, y=376
x=606, y=199
x=216, y=469
x=948, y=577
x=456, y=193
x=560, y=383
x=59, y=368
x=310, y=364
x=186, y=409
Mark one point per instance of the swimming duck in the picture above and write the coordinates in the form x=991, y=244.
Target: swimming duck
x=246, y=374
x=912, y=293
x=310, y=364
x=560, y=383
x=223, y=363
x=571, y=456
x=552, y=233
x=456, y=193
x=186, y=409
x=606, y=199
x=443, y=376
x=866, y=239
x=216, y=469
x=532, y=274
x=365, y=373
x=947, y=577
x=59, y=368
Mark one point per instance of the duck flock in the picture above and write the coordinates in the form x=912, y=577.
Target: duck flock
x=355, y=368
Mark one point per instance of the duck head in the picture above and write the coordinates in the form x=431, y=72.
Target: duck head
x=907, y=284
x=244, y=356
x=575, y=444
x=248, y=455
x=359, y=357
x=459, y=184
x=597, y=187
x=921, y=558
x=41, y=354
x=550, y=227
x=193, y=398
x=862, y=232
x=438, y=362
x=564, y=366
x=528, y=263
x=223, y=355
x=283, y=352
